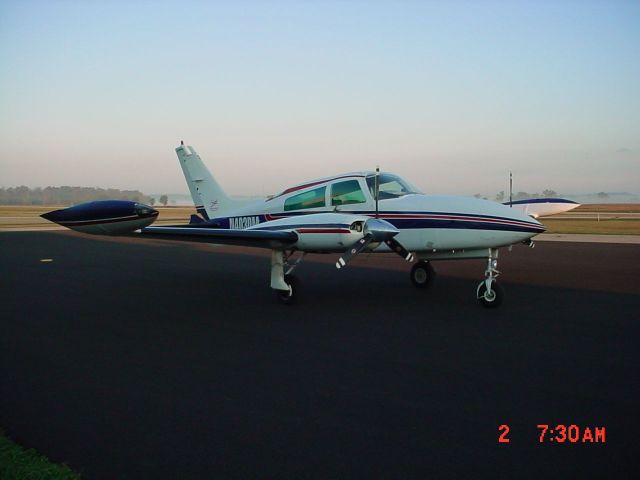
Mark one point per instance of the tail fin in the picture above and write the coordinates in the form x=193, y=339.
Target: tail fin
x=208, y=197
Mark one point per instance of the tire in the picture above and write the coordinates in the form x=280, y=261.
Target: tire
x=422, y=274
x=289, y=297
x=491, y=301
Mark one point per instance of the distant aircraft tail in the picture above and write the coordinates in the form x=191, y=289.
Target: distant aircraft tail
x=208, y=197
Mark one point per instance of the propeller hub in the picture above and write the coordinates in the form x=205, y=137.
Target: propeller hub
x=380, y=230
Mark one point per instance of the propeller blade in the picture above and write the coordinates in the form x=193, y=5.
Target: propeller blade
x=353, y=250
x=397, y=247
x=375, y=230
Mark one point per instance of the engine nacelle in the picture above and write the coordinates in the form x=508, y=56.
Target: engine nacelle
x=328, y=238
x=104, y=217
x=320, y=232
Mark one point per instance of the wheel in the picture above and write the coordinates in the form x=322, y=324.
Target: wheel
x=289, y=297
x=494, y=298
x=422, y=274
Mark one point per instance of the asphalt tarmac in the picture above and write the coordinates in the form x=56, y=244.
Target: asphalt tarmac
x=148, y=359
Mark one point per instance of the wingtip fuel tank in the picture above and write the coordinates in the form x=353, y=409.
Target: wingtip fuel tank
x=104, y=217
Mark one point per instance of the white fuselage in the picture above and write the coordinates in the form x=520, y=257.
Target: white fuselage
x=427, y=223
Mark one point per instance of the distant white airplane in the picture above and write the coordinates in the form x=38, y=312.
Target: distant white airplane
x=543, y=207
x=345, y=214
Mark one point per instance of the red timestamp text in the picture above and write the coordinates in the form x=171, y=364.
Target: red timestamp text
x=572, y=434
x=561, y=433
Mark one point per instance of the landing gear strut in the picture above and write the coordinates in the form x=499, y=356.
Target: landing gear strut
x=489, y=293
x=285, y=284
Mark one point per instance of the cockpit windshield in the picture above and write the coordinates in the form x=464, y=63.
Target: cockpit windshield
x=390, y=186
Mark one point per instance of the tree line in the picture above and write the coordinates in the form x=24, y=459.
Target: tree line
x=502, y=197
x=67, y=195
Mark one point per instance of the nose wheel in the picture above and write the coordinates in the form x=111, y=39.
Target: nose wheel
x=490, y=298
x=489, y=293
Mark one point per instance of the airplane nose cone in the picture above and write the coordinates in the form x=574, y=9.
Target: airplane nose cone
x=530, y=225
x=541, y=227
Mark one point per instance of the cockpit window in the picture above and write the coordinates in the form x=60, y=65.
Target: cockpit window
x=309, y=199
x=390, y=186
x=344, y=193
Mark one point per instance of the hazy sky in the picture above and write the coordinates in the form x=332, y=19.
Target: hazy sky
x=450, y=94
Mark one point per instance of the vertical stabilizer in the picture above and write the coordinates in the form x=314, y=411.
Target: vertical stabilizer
x=208, y=197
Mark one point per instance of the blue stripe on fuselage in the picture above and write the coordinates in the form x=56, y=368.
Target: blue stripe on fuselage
x=418, y=223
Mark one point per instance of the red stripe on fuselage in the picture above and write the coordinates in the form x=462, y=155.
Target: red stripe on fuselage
x=425, y=216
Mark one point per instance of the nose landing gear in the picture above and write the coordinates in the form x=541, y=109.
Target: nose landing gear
x=489, y=293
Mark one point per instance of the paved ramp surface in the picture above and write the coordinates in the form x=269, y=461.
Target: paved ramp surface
x=152, y=360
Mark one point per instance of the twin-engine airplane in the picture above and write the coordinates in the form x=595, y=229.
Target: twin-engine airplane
x=347, y=214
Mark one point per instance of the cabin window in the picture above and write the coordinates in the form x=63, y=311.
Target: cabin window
x=309, y=199
x=344, y=193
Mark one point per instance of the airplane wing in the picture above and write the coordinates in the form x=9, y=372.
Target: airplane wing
x=273, y=239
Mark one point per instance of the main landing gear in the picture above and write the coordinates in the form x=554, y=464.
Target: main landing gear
x=290, y=296
x=285, y=284
x=489, y=293
x=422, y=274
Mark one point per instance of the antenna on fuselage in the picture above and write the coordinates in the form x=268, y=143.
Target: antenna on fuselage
x=511, y=189
x=377, y=189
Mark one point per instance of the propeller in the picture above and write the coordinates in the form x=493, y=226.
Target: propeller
x=354, y=250
x=375, y=230
x=397, y=247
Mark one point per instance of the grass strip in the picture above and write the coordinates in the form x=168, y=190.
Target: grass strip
x=17, y=463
